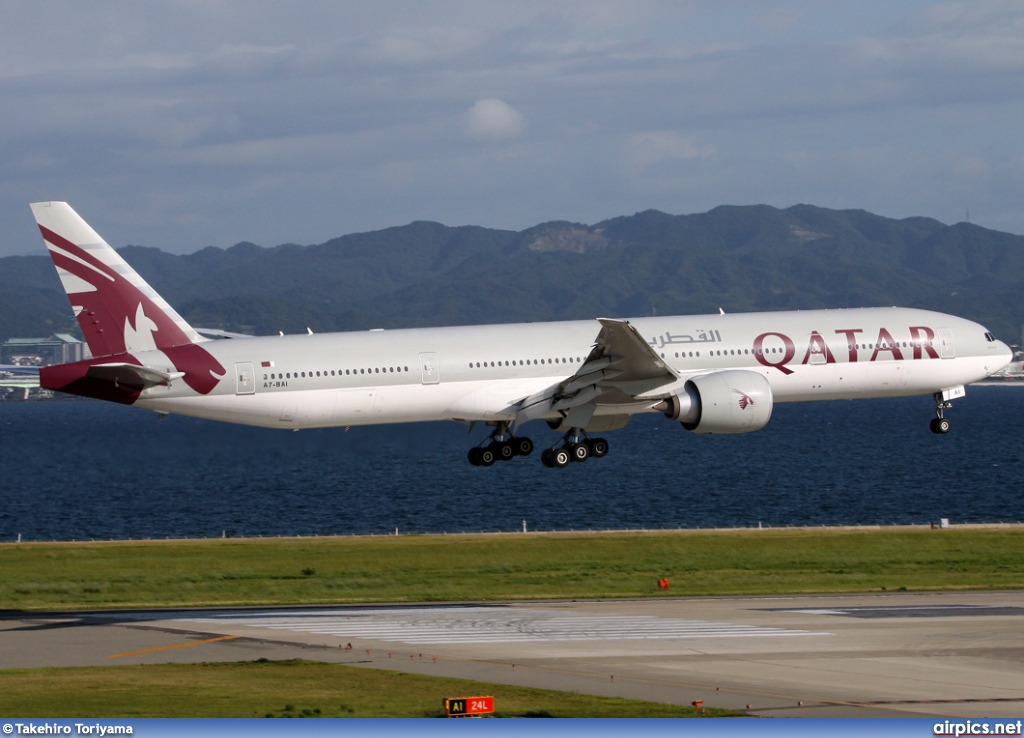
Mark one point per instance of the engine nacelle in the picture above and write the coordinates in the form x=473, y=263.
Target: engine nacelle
x=733, y=401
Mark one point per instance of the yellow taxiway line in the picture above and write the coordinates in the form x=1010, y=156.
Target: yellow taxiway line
x=168, y=648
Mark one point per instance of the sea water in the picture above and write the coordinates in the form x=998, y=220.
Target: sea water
x=81, y=470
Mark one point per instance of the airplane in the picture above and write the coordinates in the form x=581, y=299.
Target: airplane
x=718, y=373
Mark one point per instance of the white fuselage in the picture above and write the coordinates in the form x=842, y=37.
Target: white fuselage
x=480, y=373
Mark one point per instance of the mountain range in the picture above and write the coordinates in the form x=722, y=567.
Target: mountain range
x=738, y=258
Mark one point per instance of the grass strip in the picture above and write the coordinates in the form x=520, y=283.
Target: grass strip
x=294, y=571
x=284, y=689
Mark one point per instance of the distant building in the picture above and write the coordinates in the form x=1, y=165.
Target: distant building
x=60, y=348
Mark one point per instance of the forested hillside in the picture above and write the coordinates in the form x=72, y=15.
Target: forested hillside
x=740, y=258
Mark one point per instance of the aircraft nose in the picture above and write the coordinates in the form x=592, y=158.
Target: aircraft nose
x=1004, y=354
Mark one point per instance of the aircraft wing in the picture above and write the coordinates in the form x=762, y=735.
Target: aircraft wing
x=133, y=375
x=637, y=365
x=621, y=366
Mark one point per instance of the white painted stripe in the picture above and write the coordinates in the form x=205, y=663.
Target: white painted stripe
x=488, y=625
x=81, y=261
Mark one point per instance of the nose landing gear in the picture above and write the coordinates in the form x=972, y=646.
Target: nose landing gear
x=940, y=424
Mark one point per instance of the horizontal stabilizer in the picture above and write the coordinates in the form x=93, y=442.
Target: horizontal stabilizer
x=121, y=373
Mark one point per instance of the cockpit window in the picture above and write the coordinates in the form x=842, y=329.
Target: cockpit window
x=989, y=337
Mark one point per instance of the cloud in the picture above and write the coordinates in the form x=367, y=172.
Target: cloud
x=494, y=120
x=648, y=148
x=419, y=46
x=176, y=126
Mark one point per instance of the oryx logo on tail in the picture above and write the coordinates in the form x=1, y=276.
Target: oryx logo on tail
x=140, y=337
x=119, y=313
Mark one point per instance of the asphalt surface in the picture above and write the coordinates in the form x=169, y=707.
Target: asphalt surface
x=899, y=654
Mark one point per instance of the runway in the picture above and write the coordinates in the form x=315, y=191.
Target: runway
x=899, y=654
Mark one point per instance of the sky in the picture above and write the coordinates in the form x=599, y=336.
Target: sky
x=181, y=124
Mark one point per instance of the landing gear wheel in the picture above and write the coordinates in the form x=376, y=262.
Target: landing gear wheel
x=474, y=455
x=598, y=447
x=545, y=458
x=503, y=451
x=940, y=425
x=487, y=457
x=523, y=446
x=578, y=451
x=560, y=457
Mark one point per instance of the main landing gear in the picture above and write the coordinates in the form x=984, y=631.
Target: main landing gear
x=503, y=446
x=575, y=447
x=940, y=424
x=500, y=446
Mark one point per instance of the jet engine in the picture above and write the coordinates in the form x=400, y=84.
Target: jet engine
x=733, y=401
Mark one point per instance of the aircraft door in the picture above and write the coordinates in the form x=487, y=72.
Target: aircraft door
x=430, y=369
x=946, y=348
x=245, y=379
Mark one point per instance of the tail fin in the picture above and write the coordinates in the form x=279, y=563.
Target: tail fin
x=118, y=312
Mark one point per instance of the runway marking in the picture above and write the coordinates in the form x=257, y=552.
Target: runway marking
x=467, y=625
x=908, y=611
x=169, y=648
